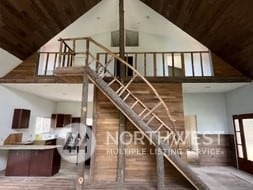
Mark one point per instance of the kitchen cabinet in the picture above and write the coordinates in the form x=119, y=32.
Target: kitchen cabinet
x=40, y=162
x=60, y=120
x=21, y=118
x=17, y=163
x=44, y=162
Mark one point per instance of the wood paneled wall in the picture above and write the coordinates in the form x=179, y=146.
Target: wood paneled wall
x=107, y=121
x=140, y=166
x=24, y=71
x=223, y=69
x=220, y=152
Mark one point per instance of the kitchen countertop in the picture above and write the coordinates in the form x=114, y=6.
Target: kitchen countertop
x=28, y=147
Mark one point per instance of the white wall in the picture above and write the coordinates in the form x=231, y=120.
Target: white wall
x=210, y=110
x=73, y=108
x=7, y=62
x=239, y=101
x=10, y=99
x=156, y=32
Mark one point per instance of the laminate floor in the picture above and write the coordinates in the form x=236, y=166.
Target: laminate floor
x=222, y=178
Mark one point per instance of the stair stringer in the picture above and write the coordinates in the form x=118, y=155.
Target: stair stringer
x=168, y=153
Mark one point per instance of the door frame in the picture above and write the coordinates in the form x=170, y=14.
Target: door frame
x=242, y=163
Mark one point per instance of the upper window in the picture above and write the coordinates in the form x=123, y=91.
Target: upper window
x=131, y=38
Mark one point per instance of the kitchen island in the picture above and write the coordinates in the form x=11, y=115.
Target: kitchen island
x=32, y=160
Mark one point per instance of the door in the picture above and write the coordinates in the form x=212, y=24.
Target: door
x=243, y=127
x=191, y=139
x=129, y=72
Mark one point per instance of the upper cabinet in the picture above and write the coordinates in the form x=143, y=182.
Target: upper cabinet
x=21, y=118
x=60, y=120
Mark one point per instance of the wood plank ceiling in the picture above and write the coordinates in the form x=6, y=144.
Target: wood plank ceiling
x=224, y=26
x=25, y=25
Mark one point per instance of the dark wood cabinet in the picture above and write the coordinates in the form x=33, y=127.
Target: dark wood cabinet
x=17, y=163
x=33, y=162
x=44, y=162
x=60, y=120
x=21, y=118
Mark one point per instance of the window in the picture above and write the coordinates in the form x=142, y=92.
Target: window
x=43, y=125
x=131, y=38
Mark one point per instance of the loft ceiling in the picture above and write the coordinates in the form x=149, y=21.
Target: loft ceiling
x=25, y=25
x=224, y=26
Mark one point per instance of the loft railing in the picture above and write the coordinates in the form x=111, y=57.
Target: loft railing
x=149, y=64
x=166, y=64
x=49, y=61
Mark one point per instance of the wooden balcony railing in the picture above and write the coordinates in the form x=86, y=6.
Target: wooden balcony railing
x=149, y=64
x=165, y=64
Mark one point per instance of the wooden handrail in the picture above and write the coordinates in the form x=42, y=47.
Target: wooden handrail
x=157, y=52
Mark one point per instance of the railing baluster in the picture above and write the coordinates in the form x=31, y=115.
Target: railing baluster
x=98, y=58
x=55, y=59
x=135, y=64
x=126, y=69
x=145, y=64
x=68, y=58
x=201, y=64
x=163, y=60
x=155, y=66
x=64, y=55
x=183, y=64
x=60, y=55
x=45, y=72
x=74, y=45
x=173, y=64
x=193, y=72
x=87, y=52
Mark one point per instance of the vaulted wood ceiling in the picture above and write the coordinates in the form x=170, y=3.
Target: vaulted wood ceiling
x=224, y=26
x=25, y=25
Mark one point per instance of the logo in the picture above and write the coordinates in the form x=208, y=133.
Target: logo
x=76, y=142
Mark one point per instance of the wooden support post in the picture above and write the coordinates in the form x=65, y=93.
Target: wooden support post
x=81, y=170
x=160, y=169
x=121, y=38
x=122, y=118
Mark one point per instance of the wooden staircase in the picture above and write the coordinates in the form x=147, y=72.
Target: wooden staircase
x=144, y=118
